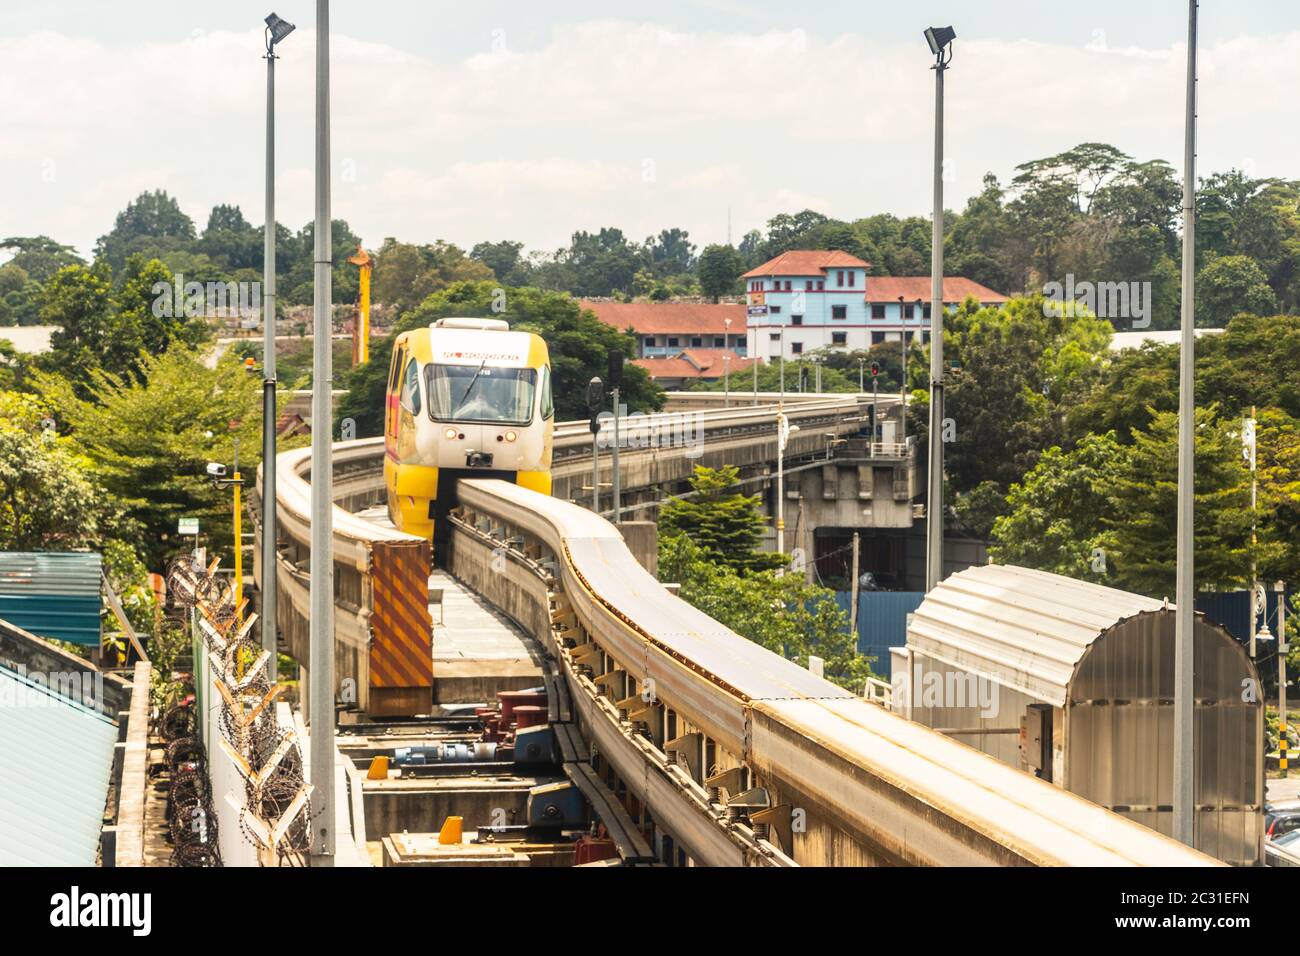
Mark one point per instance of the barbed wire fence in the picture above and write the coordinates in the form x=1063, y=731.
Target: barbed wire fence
x=276, y=805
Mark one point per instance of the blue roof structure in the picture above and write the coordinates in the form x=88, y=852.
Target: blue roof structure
x=52, y=594
x=56, y=759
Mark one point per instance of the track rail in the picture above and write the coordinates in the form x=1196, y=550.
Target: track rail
x=704, y=727
x=867, y=786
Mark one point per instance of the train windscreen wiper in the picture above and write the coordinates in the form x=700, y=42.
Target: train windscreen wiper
x=470, y=387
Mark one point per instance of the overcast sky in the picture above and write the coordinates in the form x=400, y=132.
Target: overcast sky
x=490, y=120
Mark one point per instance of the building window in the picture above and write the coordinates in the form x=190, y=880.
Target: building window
x=808, y=284
x=672, y=343
x=775, y=336
x=796, y=347
x=774, y=309
x=877, y=311
x=821, y=284
x=839, y=278
x=839, y=338
x=839, y=312
x=925, y=311
x=851, y=279
x=719, y=342
x=877, y=338
x=796, y=320
x=907, y=311
x=649, y=341
x=788, y=285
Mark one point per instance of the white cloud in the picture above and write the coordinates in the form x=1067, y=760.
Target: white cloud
x=608, y=123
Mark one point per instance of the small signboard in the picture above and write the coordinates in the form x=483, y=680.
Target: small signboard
x=758, y=298
x=757, y=310
x=187, y=526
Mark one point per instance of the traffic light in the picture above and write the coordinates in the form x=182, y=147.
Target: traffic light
x=875, y=369
x=615, y=377
x=595, y=401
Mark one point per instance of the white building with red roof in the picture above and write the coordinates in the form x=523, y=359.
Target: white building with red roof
x=808, y=299
x=664, y=329
x=694, y=365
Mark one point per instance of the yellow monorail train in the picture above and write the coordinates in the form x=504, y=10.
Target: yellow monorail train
x=466, y=397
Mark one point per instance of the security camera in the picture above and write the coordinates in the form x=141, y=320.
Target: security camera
x=216, y=470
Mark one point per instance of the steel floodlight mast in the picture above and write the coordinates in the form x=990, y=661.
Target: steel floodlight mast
x=940, y=40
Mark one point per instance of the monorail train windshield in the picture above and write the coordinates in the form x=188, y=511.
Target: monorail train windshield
x=481, y=393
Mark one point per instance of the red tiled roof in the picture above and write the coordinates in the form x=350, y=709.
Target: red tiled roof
x=670, y=318
x=806, y=262
x=694, y=363
x=911, y=288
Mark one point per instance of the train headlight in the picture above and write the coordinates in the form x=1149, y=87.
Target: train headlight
x=511, y=436
x=450, y=434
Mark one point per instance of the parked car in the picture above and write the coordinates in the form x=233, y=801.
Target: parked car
x=1283, y=851
x=1281, y=818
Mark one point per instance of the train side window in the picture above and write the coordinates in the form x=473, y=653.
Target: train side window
x=548, y=406
x=411, y=388
x=394, y=371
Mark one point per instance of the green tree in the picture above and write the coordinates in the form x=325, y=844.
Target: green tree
x=40, y=256
x=150, y=438
x=20, y=296
x=1228, y=285
x=49, y=499
x=404, y=274
x=1139, y=526
x=1054, y=517
x=719, y=270
x=150, y=223
x=781, y=613
x=725, y=524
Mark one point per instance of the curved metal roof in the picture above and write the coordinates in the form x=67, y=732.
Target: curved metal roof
x=1020, y=627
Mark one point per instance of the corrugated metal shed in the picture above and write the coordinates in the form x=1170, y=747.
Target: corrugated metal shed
x=1023, y=628
x=56, y=758
x=882, y=622
x=52, y=594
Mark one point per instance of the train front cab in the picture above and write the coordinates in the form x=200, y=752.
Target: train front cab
x=417, y=491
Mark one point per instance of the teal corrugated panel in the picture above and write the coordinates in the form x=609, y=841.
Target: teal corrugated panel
x=56, y=758
x=52, y=594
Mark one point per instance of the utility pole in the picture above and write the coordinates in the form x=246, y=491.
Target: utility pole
x=853, y=591
x=276, y=30
x=1280, y=588
x=1248, y=449
x=595, y=399
x=875, y=401
x=755, y=357
x=237, y=481
x=782, y=433
x=1184, y=757
x=615, y=381
x=322, y=477
x=940, y=40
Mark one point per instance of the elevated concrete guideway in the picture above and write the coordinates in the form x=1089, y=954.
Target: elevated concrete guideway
x=720, y=739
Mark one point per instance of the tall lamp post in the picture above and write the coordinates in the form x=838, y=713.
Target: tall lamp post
x=1282, y=649
x=1184, y=757
x=940, y=41
x=276, y=30
x=321, y=656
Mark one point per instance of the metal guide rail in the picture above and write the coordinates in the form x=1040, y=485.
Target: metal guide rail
x=731, y=745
